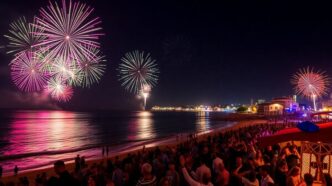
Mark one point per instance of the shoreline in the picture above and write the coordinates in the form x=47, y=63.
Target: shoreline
x=134, y=148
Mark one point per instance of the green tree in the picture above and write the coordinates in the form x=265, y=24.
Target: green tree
x=242, y=109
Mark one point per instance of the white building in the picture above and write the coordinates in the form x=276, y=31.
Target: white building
x=278, y=106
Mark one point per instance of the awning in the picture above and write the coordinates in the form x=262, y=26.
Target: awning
x=294, y=134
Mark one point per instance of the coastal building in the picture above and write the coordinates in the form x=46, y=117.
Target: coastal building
x=278, y=106
x=327, y=104
x=198, y=108
x=260, y=101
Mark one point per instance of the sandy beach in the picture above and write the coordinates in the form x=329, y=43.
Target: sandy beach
x=122, y=152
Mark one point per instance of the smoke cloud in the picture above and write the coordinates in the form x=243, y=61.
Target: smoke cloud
x=12, y=99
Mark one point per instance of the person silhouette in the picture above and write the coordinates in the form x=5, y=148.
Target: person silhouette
x=15, y=170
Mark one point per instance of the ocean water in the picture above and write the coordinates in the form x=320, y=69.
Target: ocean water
x=35, y=139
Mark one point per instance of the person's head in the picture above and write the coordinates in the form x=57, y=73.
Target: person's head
x=291, y=148
x=59, y=167
x=146, y=169
x=202, y=161
x=205, y=149
x=295, y=171
x=110, y=183
x=171, y=166
x=165, y=182
x=252, y=176
x=309, y=180
x=214, y=155
x=44, y=174
x=238, y=161
x=282, y=166
x=117, y=164
x=91, y=181
x=259, y=154
x=251, y=162
x=264, y=170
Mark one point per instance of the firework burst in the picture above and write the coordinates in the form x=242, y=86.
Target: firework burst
x=58, y=51
x=21, y=37
x=91, y=68
x=27, y=73
x=68, y=29
x=310, y=83
x=59, y=90
x=137, y=69
x=66, y=69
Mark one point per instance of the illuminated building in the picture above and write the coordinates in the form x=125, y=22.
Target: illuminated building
x=198, y=108
x=278, y=106
x=327, y=104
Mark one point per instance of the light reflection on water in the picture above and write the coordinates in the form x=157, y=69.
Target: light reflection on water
x=46, y=136
x=142, y=127
x=203, y=121
x=35, y=131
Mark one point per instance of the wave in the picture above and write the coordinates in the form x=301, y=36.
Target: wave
x=88, y=147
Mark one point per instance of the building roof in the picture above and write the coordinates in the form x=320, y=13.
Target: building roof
x=282, y=98
x=265, y=103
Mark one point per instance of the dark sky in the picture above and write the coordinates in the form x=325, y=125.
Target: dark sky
x=209, y=52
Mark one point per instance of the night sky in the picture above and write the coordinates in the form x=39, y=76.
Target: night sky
x=208, y=52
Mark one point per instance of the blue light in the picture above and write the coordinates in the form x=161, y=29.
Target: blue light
x=307, y=126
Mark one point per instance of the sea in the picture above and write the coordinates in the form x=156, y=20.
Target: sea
x=34, y=139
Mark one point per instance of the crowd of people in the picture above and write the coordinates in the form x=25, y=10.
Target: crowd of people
x=230, y=158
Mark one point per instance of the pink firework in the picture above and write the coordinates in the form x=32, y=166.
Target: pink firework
x=27, y=73
x=59, y=90
x=309, y=82
x=67, y=29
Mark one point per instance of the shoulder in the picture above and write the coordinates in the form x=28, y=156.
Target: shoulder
x=153, y=181
x=269, y=179
x=245, y=180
